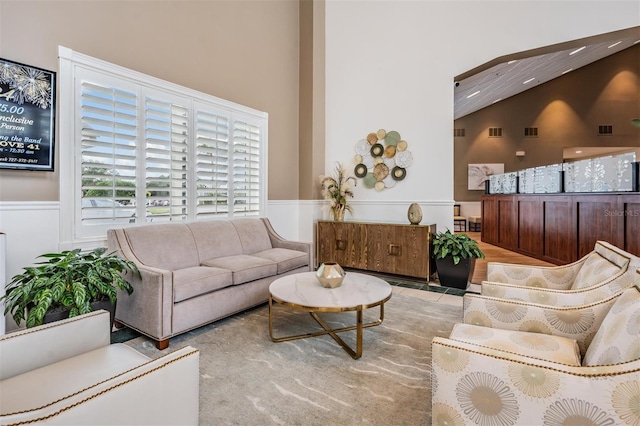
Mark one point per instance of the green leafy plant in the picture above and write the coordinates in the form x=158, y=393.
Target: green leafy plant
x=459, y=246
x=69, y=279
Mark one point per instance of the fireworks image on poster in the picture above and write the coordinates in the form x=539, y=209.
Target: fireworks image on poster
x=26, y=117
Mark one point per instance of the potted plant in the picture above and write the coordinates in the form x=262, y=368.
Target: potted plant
x=455, y=255
x=69, y=283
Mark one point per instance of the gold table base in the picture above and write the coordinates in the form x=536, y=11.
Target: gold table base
x=359, y=326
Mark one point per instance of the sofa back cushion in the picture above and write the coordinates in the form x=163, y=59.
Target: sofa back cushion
x=215, y=238
x=618, y=338
x=596, y=269
x=253, y=235
x=167, y=246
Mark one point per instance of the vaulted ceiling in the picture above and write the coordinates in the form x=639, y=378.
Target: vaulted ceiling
x=512, y=74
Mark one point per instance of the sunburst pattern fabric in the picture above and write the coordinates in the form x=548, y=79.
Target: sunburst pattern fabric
x=517, y=378
x=487, y=400
x=618, y=338
x=594, y=270
x=541, y=346
x=605, y=271
x=578, y=323
x=577, y=412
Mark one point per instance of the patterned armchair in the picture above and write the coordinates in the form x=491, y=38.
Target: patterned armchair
x=489, y=376
x=606, y=271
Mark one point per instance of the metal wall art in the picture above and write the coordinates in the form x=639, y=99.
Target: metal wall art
x=382, y=159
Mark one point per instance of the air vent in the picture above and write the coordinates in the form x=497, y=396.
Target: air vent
x=495, y=132
x=458, y=133
x=531, y=132
x=606, y=129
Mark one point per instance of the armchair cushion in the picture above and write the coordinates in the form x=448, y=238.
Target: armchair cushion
x=618, y=338
x=535, y=345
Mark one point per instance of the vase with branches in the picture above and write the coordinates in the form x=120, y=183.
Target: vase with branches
x=337, y=189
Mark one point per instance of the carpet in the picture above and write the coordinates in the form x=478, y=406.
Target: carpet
x=246, y=379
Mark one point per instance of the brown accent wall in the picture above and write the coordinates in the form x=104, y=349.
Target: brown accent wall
x=567, y=112
x=243, y=51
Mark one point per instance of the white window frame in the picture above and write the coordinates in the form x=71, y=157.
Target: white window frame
x=72, y=232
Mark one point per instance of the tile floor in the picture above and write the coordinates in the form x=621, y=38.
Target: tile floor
x=432, y=291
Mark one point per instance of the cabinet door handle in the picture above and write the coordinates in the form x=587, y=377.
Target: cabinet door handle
x=341, y=245
x=394, y=250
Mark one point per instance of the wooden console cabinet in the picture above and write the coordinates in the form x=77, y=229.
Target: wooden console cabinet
x=380, y=247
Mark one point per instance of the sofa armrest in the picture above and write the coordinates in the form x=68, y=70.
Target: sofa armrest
x=478, y=385
x=153, y=290
x=278, y=242
x=163, y=391
x=576, y=322
x=35, y=347
x=148, y=309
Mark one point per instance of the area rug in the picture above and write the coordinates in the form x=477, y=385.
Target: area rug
x=246, y=379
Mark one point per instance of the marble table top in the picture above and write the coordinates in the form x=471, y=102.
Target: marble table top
x=356, y=290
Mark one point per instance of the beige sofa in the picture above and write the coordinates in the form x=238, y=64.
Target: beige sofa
x=67, y=373
x=194, y=273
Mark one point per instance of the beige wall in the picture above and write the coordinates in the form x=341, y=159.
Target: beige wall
x=567, y=112
x=243, y=51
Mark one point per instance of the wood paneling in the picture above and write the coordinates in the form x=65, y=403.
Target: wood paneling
x=597, y=220
x=379, y=247
x=631, y=218
x=508, y=228
x=530, y=226
x=561, y=228
x=490, y=220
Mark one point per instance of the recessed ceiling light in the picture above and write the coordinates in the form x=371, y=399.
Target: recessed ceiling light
x=511, y=62
x=615, y=44
x=569, y=70
x=473, y=94
x=577, y=50
x=578, y=152
x=528, y=81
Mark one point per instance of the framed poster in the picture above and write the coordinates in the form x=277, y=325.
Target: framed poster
x=27, y=116
x=479, y=173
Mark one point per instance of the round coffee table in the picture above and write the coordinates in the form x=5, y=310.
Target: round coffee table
x=357, y=293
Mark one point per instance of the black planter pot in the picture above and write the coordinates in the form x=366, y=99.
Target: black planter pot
x=456, y=276
x=60, y=314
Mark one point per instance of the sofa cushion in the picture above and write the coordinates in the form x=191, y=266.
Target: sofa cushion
x=253, y=235
x=191, y=282
x=215, y=238
x=166, y=246
x=618, y=338
x=594, y=270
x=547, y=347
x=53, y=382
x=245, y=268
x=286, y=259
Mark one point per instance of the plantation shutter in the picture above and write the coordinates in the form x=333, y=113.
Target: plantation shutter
x=166, y=158
x=143, y=149
x=246, y=167
x=108, y=125
x=212, y=164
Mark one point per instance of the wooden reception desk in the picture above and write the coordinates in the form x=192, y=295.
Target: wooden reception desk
x=561, y=228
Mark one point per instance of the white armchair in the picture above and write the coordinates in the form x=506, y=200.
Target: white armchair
x=488, y=376
x=606, y=271
x=68, y=373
